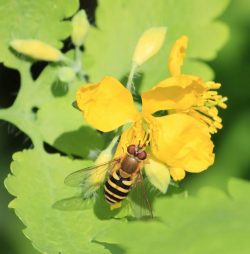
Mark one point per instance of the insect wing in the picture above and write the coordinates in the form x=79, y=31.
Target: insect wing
x=139, y=200
x=78, y=178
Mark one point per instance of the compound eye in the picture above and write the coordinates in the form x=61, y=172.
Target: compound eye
x=131, y=149
x=142, y=155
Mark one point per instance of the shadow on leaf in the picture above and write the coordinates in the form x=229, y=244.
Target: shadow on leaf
x=73, y=204
x=80, y=142
x=112, y=247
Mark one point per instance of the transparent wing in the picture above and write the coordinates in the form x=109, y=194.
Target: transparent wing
x=78, y=178
x=140, y=202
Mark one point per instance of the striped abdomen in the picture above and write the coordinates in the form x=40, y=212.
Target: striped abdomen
x=117, y=187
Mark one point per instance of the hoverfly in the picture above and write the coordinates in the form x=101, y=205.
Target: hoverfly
x=123, y=173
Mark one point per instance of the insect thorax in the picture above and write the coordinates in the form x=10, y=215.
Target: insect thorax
x=129, y=164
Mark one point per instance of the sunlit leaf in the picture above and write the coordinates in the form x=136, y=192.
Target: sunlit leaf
x=211, y=222
x=33, y=20
x=121, y=23
x=38, y=183
x=63, y=127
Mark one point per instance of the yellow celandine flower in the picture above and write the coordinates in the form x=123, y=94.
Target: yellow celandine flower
x=199, y=100
x=177, y=142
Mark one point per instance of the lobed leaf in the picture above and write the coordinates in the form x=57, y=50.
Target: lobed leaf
x=121, y=23
x=63, y=127
x=211, y=222
x=33, y=20
x=37, y=182
x=57, y=221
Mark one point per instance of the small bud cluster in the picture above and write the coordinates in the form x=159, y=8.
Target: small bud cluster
x=40, y=50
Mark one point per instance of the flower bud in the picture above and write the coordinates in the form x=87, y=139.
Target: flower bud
x=37, y=50
x=80, y=26
x=149, y=44
x=66, y=74
x=158, y=175
x=98, y=175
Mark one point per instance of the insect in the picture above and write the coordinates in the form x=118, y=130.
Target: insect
x=121, y=175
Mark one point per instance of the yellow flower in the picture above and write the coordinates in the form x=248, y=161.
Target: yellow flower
x=176, y=140
x=179, y=141
x=186, y=93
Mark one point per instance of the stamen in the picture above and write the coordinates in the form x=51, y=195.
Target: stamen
x=206, y=110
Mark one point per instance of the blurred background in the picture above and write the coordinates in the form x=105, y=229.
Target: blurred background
x=232, y=69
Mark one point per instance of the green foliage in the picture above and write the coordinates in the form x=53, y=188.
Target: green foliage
x=26, y=20
x=47, y=94
x=118, y=31
x=211, y=217
x=55, y=217
x=71, y=135
x=38, y=183
x=211, y=222
x=233, y=157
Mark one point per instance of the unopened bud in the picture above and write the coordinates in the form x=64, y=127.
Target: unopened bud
x=66, y=74
x=80, y=26
x=149, y=44
x=98, y=175
x=37, y=50
x=158, y=175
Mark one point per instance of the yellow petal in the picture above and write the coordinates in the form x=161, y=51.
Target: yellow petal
x=106, y=105
x=37, y=49
x=149, y=44
x=158, y=174
x=124, y=142
x=177, y=173
x=134, y=135
x=181, y=141
x=178, y=92
x=85, y=95
x=177, y=55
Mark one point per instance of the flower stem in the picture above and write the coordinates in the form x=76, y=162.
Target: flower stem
x=130, y=85
x=78, y=55
x=67, y=60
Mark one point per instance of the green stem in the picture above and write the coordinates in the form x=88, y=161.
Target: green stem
x=79, y=64
x=130, y=84
x=67, y=60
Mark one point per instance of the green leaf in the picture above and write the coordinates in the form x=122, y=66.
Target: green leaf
x=63, y=127
x=38, y=20
x=211, y=222
x=121, y=23
x=37, y=182
x=33, y=20
x=57, y=220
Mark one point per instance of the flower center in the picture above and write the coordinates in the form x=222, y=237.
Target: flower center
x=140, y=133
x=206, y=107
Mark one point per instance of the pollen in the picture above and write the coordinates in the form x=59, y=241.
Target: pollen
x=206, y=108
